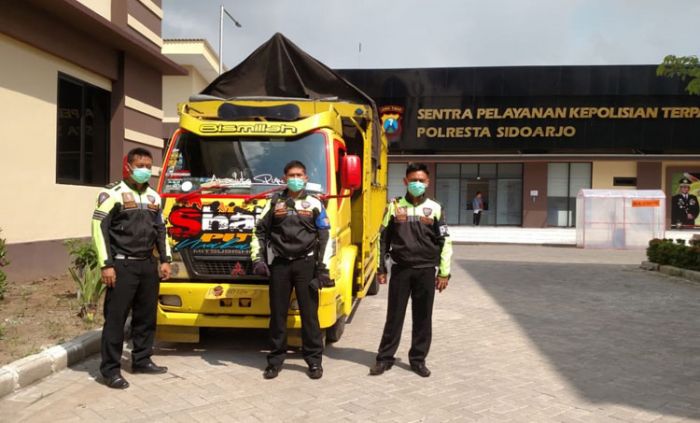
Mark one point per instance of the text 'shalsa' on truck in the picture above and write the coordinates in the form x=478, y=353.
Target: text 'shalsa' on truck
x=226, y=161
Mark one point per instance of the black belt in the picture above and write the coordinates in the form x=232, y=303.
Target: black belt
x=310, y=254
x=124, y=257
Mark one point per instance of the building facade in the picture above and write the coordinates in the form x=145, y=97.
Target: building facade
x=80, y=85
x=202, y=65
x=528, y=138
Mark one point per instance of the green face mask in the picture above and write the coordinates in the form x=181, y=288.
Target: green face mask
x=295, y=184
x=416, y=188
x=141, y=174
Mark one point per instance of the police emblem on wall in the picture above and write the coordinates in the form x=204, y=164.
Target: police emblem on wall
x=392, y=117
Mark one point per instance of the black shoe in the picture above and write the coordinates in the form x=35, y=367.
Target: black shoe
x=116, y=382
x=420, y=369
x=149, y=368
x=315, y=371
x=380, y=367
x=271, y=372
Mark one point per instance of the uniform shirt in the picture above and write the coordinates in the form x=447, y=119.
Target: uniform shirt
x=681, y=206
x=292, y=228
x=415, y=236
x=128, y=222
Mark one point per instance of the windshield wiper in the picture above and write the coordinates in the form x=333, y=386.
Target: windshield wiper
x=264, y=194
x=198, y=192
x=215, y=185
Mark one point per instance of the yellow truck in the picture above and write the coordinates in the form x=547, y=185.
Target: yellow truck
x=226, y=160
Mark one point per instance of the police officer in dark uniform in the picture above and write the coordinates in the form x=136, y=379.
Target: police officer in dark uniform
x=684, y=206
x=127, y=225
x=294, y=227
x=415, y=235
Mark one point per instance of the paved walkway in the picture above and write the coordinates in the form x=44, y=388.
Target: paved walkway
x=539, y=236
x=523, y=334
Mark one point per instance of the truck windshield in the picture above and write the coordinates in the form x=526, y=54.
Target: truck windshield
x=241, y=165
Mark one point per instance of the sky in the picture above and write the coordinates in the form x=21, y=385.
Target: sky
x=346, y=34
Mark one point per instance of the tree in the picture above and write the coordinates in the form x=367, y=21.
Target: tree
x=684, y=67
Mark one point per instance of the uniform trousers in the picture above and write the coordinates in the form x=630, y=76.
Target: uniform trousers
x=136, y=289
x=419, y=285
x=286, y=275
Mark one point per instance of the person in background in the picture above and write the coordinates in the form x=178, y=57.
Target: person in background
x=477, y=207
x=684, y=206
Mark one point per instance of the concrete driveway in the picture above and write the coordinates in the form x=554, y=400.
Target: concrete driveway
x=523, y=333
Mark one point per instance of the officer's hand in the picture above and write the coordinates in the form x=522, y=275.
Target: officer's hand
x=381, y=278
x=323, y=277
x=109, y=277
x=260, y=268
x=165, y=271
x=441, y=283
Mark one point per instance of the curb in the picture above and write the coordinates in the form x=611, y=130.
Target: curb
x=690, y=275
x=541, y=244
x=30, y=369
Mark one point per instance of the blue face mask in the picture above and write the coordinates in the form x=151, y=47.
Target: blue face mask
x=141, y=174
x=295, y=184
x=416, y=188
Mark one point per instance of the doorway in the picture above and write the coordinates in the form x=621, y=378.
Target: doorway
x=500, y=185
x=470, y=188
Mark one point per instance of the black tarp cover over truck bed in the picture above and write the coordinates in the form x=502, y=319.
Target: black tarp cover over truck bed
x=279, y=68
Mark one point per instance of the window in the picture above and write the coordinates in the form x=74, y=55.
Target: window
x=564, y=180
x=624, y=181
x=82, y=133
x=260, y=161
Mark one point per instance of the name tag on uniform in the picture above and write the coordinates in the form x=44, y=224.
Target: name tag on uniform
x=401, y=214
x=128, y=200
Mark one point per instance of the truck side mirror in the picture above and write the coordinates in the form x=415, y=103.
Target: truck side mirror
x=351, y=172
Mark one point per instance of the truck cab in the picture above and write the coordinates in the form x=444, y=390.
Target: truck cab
x=223, y=164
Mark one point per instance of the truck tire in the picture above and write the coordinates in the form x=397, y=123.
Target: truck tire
x=374, y=287
x=335, y=332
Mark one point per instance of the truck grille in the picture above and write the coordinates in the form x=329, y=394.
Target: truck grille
x=212, y=267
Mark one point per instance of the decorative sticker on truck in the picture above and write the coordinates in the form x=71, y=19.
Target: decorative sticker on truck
x=214, y=228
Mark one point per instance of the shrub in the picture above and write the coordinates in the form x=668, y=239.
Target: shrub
x=82, y=253
x=668, y=252
x=3, y=262
x=90, y=289
x=87, y=276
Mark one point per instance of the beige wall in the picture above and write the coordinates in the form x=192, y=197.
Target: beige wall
x=102, y=7
x=34, y=207
x=605, y=171
x=177, y=89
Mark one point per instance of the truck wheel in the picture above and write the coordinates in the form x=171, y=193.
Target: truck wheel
x=374, y=288
x=335, y=332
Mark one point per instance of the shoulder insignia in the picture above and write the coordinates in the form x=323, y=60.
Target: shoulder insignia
x=112, y=184
x=102, y=198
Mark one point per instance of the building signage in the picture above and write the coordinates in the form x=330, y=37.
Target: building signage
x=636, y=128
x=537, y=110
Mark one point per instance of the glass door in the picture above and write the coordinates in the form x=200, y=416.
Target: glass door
x=469, y=189
x=564, y=180
x=447, y=194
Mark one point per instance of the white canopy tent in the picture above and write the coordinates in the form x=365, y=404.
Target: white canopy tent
x=624, y=219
